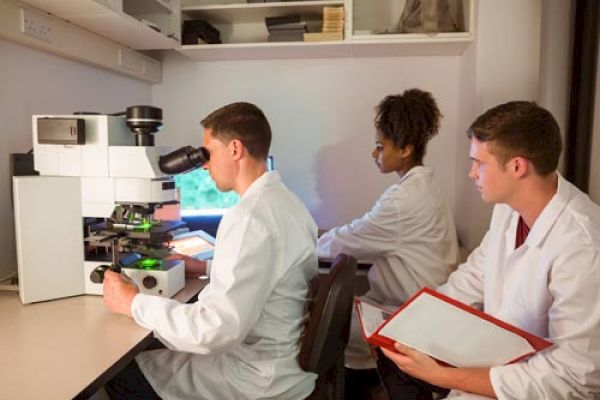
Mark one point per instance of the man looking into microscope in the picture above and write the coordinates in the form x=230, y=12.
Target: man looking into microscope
x=240, y=340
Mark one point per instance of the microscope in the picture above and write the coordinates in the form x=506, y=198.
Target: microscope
x=92, y=207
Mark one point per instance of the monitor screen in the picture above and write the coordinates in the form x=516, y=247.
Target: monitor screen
x=197, y=244
x=200, y=196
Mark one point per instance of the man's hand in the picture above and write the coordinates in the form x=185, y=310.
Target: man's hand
x=193, y=268
x=118, y=293
x=415, y=363
x=421, y=366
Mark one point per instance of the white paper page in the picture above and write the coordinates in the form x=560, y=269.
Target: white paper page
x=371, y=317
x=450, y=334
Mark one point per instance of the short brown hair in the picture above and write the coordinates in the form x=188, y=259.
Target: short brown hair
x=242, y=121
x=411, y=118
x=520, y=129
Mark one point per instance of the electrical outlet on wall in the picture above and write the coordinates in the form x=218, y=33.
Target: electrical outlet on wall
x=36, y=25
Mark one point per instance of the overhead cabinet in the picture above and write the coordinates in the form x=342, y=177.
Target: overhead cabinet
x=138, y=24
x=364, y=28
x=39, y=28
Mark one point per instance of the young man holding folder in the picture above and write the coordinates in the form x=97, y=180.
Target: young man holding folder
x=538, y=266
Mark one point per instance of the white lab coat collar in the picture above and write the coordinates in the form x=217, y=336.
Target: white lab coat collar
x=548, y=216
x=268, y=178
x=419, y=169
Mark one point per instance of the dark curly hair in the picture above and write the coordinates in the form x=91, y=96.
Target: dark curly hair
x=411, y=118
x=520, y=129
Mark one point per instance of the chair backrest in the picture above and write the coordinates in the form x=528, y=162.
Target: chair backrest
x=326, y=334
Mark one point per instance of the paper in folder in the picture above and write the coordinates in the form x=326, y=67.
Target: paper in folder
x=447, y=330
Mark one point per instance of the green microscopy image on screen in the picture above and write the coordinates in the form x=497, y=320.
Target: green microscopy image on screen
x=199, y=193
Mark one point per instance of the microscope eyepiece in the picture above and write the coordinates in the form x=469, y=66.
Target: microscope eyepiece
x=183, y=160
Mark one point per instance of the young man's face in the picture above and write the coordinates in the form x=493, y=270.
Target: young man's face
x=387, y=156
x=220, y=165
x=492, y=178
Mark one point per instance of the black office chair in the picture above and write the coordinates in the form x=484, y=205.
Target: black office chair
x=326, y=334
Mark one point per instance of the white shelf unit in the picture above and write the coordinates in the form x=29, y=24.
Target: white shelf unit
x=260, y=51
x=245, y=22
x=138, y=24
x=234, y=13
x=367, y=19
x=244, y=34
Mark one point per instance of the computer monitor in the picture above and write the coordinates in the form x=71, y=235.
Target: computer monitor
x=200, y=196
x=197, y=244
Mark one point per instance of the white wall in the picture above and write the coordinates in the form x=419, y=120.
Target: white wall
x=555, y=60
x=33, y=82
x=321, y=112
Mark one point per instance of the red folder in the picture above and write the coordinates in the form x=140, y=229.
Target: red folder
x=449, y=331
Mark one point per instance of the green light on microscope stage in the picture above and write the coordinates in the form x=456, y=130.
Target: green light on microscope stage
x=149, y=263
x=143, y=227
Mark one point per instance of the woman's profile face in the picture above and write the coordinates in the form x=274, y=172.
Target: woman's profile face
x=388, y=157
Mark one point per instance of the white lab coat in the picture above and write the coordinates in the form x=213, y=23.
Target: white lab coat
x=550, y=286
x=240, y=340
x=410, y=238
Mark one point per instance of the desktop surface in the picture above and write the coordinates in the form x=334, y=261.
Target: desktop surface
x=67, y=348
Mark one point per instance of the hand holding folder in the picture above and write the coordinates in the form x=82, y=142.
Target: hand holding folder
x=448, y=331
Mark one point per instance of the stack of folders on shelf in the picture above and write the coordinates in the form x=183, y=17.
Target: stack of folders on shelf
x=447, y=330
x=333, y=26
x=286, y=28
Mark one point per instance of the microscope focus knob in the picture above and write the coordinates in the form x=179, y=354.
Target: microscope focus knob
x=149, y=282
x=97, y=275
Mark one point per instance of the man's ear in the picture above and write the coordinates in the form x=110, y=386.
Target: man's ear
x=237, y=148
x=520, y=166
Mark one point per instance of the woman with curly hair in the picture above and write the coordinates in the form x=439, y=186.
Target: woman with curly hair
x=409, y=235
